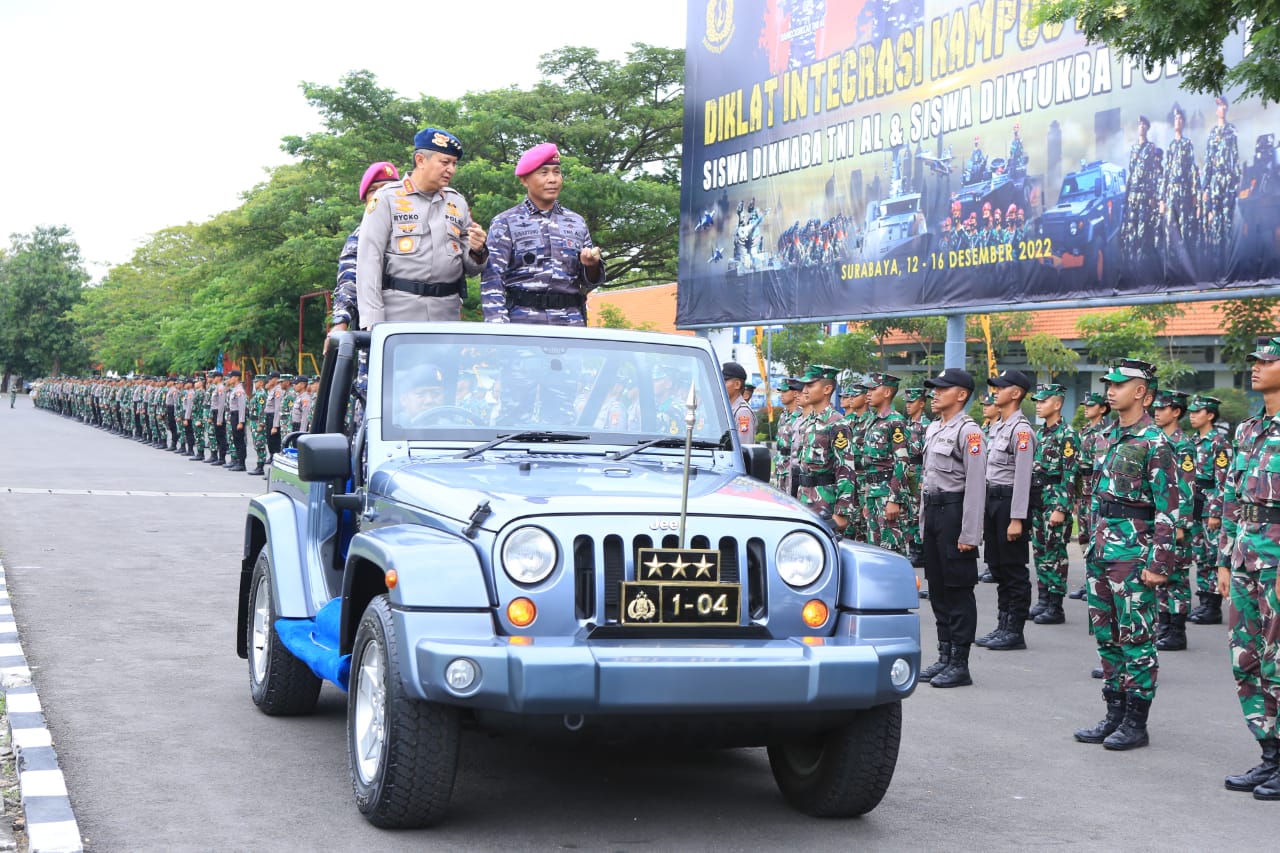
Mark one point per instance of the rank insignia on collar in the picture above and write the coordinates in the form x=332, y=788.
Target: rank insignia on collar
x=372, y=205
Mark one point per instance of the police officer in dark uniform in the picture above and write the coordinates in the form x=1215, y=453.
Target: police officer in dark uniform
x=954, y=493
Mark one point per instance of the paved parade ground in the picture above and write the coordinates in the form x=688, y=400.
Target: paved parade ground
x=123, y=568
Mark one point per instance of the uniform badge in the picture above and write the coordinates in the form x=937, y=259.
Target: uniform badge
x=405, y=244
x=454, y=247
x=1024, y=440
x=1068, y=450
x=372, y=205
x=1221, y=460
x=842, y=441
x=898, y=437
x=975, y=443
x=390, y=170
x=451, y=208
x=1187, y=463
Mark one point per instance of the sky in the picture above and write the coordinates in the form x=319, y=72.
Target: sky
x=123, y=118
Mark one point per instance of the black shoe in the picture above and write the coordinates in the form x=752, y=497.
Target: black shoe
x=1175, y=637
x=256, y=472
x=1080, y=594
x=1210, y=613
x=1011, y=639
x=239, y=466
x=1270, y=789
x=1096, y=672
x=987, y=577
x=915, y=553
x=943, y=661
x=1132, y=733
x=1042, y=602
x=1115, y=713
x=924, y=593
x=1053, y=614
x=997, y=631
x=1255, y=776
x=957, y=672
x=1162, y=627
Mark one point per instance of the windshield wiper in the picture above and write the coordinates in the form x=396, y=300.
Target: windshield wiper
x=529, y=435
x=667, y=441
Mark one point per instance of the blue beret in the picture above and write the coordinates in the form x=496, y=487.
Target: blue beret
x=433, y=139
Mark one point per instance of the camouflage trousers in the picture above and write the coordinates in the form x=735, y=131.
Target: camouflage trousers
x=1204, y=558
x=211, y=436
x=820, y=499
x=890, y=535
x=1175, y=596
x=1122, y=616
x=1255, y=649
x=197, y=428
x=258, y=429
x=1049, y=543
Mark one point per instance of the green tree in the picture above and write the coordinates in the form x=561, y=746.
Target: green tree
x=797, y=346
x=613, y=317
x=1047, y=353
x=1190, y=33
x=1244, y=321
x=41, y=279
x=855, y=350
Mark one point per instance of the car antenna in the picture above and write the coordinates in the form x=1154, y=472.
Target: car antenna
x=690, y=417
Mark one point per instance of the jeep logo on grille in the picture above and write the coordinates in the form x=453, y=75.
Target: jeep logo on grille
x=664, y=524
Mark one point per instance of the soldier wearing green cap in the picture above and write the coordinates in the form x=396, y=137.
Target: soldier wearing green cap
x=1053, y=478
x=1092, y=445
x=1174, y=597
x=915, y=402
x=1135, y=510
x=1213, y=459
x=853, y=399
x=886, y=455
x=822, y=449
x=1248, y=572
x=792, y=412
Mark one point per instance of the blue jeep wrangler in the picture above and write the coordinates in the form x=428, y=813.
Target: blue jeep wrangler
x=554, y=531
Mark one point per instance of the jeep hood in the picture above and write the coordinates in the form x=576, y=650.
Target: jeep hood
x=528, y=485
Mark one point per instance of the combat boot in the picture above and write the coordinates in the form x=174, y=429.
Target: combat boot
x=943, y=661
x=1053, y=613
x=1162, y=627
x=1011, y=639
x=997, y=631
x=915, y=553
x=1080, y=594
x=1255, y=776
x=1175, y=637
x=1096, y=672
x=257, y=472
x=1213, y=612
x=957, y=672
x=1115, y=713
x=987, y=577
x=1042, y=601
x=1198, y=610
x=1270, y=789
x=1132, y=733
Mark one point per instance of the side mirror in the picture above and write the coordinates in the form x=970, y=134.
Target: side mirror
x=323, y=457
x=759, y=465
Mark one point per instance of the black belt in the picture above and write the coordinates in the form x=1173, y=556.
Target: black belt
x=1259, y=513
x=874, y=476
x=811, y=480
x=1000, y=491
x=424, y=288
x=940, y=498
x=1039, y=481
x=1113, y=509
x=541, y=300
x=1204, y=482
x=784, y=453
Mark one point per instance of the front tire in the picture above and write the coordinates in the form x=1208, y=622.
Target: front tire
x=280, y=684
x=404, y=752
x=844, y=772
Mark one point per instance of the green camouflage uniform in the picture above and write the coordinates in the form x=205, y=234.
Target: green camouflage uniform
x=857, y=425
x=1137, y=474
x=1251, y=548
x=1053, y=478
x=885, y=459
x=915, y=470
x=198, y=420
x=1175, y=596
x=1093, y=444
x=822, y=454
x=782, y=455
x=258, y=425
x=1213, y=460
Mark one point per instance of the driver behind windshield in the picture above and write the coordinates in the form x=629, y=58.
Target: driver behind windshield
x=418, y=391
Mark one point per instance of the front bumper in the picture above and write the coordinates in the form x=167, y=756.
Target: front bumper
x=574, y=675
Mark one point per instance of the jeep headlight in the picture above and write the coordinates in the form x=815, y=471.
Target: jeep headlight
x=800, y=558
x=1073, y=229
x=529, y=555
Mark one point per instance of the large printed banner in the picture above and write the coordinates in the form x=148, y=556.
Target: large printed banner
x=854, y=157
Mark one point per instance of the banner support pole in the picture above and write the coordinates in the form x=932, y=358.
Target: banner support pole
x=953, y=351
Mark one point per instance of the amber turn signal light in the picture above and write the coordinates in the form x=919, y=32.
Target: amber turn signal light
x=392, y=578
x=814, y=613
x=521, y=612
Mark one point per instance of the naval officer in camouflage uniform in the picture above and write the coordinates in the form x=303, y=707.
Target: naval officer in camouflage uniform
x=1006, y=535
x=822, y=450
x=1173, y=598
x=952, y=503
x=418, y=242
x=792, y=411
x=1053, y=478
x=1221, y=184
x=1248, y=572
x=1135, y=510
x=1213, y=459
x=542, y=261
x=886, y=456
x=853, y=399
x=257, y=423
x=1179, y=190
x=1141, y=201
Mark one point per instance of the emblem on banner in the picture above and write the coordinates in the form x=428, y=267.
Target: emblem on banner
x=719, y=25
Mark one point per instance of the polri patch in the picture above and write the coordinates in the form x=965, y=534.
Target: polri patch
x=975, y=443
x=1024, y=440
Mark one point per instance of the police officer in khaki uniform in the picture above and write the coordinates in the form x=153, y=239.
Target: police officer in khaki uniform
x=744, y=419
x=418, y=242
x=1011, y=452
x=954, y=494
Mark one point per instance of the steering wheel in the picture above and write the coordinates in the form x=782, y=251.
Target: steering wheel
x=453, y=415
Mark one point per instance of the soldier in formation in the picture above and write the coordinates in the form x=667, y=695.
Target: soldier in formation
x=1053, y=479
x=1092, y=445
x=822, y=450
x=885, y=458
x=916, y=402
x=1179, y=189
x=1173, y=598
x=1141, y=201
x=792, y=412
x=1221, y=183
x=1213, y=453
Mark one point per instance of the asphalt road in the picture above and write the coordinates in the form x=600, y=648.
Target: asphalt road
x=125, y=599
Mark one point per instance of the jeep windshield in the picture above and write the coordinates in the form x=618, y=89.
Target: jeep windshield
x=477, y=387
